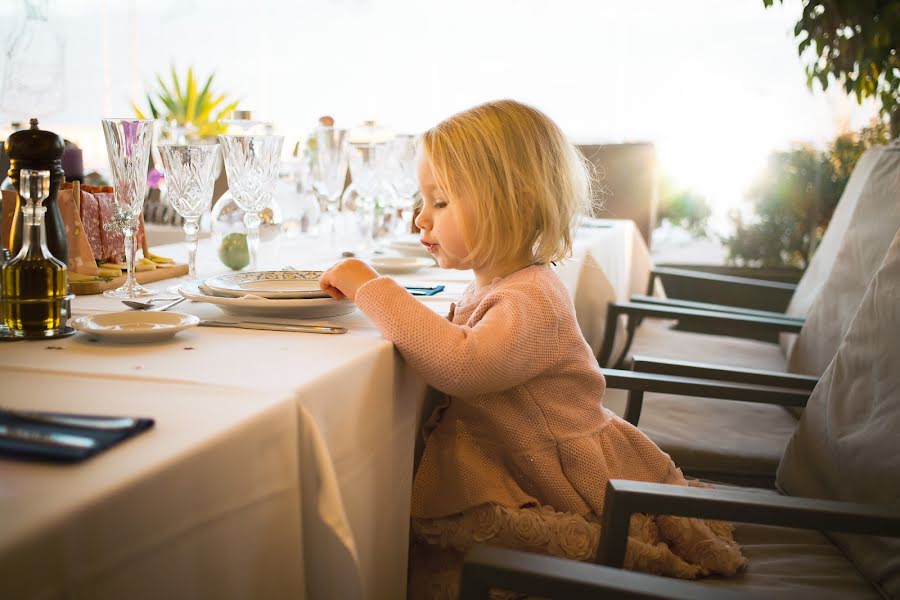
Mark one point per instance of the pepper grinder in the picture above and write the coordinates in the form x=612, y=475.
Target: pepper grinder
x=37, y=150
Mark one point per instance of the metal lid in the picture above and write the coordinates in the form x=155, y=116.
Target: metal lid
x=34, y=145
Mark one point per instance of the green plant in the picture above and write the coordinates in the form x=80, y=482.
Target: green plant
x=793, y=200
x=202, y=109
x=853, y=42
x=683, y=208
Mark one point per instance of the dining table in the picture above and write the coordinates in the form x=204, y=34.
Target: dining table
x=280, y=464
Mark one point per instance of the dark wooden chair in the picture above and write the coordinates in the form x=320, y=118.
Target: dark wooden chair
x=744, y=441
x=832, y=530
x=488, y=568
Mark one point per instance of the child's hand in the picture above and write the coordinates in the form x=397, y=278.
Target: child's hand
x=345, y=278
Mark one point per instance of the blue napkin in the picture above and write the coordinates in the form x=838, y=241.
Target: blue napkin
x=424, y=291
x=25, y=438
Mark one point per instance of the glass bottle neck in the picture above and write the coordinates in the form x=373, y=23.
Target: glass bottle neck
x=34, y=242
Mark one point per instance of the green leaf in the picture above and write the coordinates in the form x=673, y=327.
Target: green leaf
x=153, y=110
x=211, y=106
x=163, y=87
x=227, y=110
x=201, y=98
x=190, y=102
x=170, y=105
x=178, y=95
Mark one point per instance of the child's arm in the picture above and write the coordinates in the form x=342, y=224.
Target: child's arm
x=515, y=340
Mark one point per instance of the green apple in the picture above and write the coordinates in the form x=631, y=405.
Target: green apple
x=233, y=252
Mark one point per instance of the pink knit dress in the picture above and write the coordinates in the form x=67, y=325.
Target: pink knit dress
x=522, y=440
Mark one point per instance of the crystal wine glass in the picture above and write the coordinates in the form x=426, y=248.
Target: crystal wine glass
x=251, y=163
x=368, y=164
x=330, y=169
x=402, y=174
x=190, y=175
x=128, y=147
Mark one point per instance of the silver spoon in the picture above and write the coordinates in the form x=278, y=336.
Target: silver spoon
x=149, y=306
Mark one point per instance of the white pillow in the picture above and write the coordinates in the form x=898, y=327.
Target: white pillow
x=847, y=446
x=853, y=246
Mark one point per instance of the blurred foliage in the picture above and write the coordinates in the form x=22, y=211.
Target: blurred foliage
x=855, y=43
x=683, y=208
x=793, y=200
x=200, y=110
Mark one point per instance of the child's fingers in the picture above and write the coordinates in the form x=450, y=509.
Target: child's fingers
x=333, y=292
x=327, y=279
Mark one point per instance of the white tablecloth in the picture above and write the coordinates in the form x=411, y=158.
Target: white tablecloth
x=280, y=464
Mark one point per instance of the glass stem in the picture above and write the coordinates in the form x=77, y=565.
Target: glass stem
x=252, y=221
x=331, y=209
x=405, y=224
x=129, y=258
x=191, y=228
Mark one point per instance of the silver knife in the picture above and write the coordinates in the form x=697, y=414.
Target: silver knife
x=99, y=423
x=276, y=326
x=59, y=440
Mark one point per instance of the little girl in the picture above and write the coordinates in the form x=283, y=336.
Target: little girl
x=519, y=452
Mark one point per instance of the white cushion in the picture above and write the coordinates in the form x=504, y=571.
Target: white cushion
x=846, y=446
x=852, y=248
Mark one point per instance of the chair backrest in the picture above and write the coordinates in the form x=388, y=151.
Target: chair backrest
x=864, y=223
x=627, y=174
x=846, y=446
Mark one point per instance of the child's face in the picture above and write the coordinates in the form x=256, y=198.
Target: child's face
x=441, y=222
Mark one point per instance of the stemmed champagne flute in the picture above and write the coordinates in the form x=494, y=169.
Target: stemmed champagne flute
x=128, y=147
x=251, y=163
x=402, y=175
x=368, y=162
x=190, y=175
x=330, y=169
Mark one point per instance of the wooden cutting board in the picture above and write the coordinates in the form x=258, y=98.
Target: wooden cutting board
x=85, y=288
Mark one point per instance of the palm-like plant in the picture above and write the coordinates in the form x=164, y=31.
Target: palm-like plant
x=199, y=109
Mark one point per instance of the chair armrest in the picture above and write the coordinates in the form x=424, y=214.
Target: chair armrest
x=677, y=303
x=746, y=292
x=722, y=323
x=487, y=567
x=746, y=506
x=705, y=388
x=685, y=368
x=729, y=279
x=639, y=383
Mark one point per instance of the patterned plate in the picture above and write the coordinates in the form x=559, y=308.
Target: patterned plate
x=268, y=284
x=292, y=308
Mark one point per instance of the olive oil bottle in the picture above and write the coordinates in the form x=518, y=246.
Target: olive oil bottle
x=34, y=290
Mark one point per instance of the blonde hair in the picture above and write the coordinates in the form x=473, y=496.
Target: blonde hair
x=524, y=183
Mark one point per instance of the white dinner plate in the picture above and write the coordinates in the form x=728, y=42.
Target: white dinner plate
x=268, y=284
x=134, y=326
x=296, y=308
x=408, y=245
x=398, y=265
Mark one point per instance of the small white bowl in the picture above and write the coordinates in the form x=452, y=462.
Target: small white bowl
x=134, y=326
x=398, y=265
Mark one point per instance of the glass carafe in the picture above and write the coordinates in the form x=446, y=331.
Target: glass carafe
x=34, y=293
